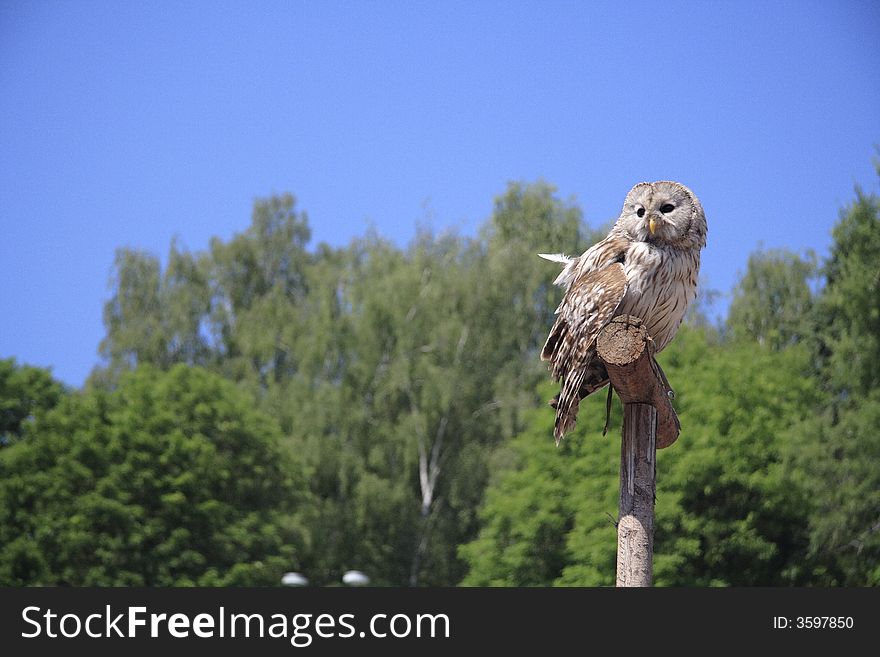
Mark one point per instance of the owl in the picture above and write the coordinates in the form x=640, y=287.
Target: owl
x=646, y=267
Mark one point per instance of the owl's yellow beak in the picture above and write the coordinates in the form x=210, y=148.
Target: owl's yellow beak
x=652, y=225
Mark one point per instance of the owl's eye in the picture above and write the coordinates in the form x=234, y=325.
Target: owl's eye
x=667, y=208
x=641, y=212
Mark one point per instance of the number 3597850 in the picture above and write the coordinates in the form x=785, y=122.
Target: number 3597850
x=813, y=622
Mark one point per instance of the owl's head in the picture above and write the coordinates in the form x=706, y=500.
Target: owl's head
x=664, y=212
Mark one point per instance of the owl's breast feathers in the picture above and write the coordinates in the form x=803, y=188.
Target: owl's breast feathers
x=661, y=284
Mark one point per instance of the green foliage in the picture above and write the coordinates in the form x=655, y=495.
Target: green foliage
x=837, y=449
x=171, y=479
x=25, y=392
x=154, y=316
x=547, y=507
x=729, y=512
x=773, y=301
x=849, y=311
x=836, y=454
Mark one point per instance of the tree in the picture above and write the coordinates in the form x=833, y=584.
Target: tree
x=215, y=308
x=849, y=310
x=259, y=281
x=836, y=450
x=171, y=479
x=773, y=300
x=543, y=501
x=835, y=454
x=155, y=317
x=730, y=511
x=444, y=338
x=25, y=392
x=407, y=425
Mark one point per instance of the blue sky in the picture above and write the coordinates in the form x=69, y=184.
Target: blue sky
x=126, y=124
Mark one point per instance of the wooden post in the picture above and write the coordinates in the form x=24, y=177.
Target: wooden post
x=649, y=423
x=635, y=525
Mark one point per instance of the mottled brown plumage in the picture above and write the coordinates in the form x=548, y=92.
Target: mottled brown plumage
x=647, y=267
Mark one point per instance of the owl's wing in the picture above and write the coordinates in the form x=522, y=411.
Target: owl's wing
x=587, y=307
x=591, y=280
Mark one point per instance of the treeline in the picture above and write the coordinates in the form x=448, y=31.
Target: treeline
x=266, y=406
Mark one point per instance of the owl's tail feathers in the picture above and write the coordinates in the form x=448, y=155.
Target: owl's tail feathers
x=564, y=424
x=567, y=402
x=578, y=385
